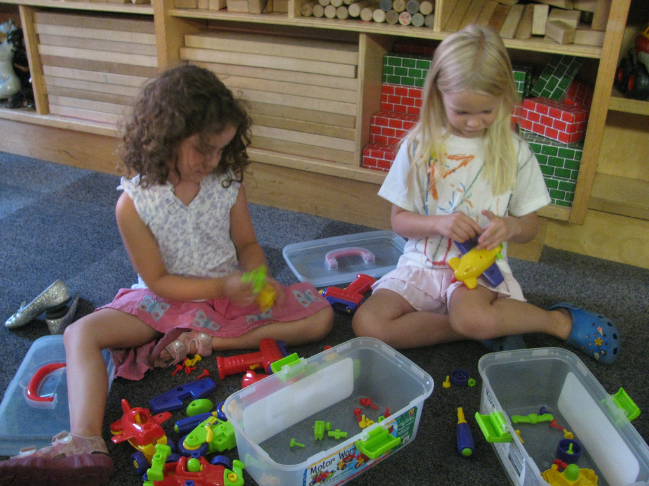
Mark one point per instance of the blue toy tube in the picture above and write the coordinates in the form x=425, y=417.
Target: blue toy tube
x=465, y=445
x=186, y=425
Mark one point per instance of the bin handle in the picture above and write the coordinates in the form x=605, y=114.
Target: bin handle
x=37, y=378
x=331, y=261
x=493, y=426
x=628, y=406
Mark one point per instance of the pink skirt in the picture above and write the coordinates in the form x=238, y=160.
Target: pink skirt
x=215, y=317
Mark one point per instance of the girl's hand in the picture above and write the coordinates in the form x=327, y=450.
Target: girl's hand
x=237, y=292
x=497, y=231
x=458, y=227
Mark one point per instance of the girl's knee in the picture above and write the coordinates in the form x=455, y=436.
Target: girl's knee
x=365, y=324
x=473, y=326
x=324, y=323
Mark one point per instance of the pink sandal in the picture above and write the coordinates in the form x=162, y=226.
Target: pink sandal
x=199, y=341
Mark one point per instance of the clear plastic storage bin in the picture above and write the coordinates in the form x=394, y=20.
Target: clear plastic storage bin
x=339, y=259
x=326, y=388
x=26, y=421
x=521, y=382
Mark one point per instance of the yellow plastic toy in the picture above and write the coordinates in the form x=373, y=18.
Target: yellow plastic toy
x=572, y=476
x=266, y=293
x=472, y=264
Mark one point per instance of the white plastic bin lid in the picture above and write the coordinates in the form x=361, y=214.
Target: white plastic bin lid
x=339, y=259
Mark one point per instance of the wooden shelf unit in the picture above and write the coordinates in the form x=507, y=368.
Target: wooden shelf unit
x=374, y=40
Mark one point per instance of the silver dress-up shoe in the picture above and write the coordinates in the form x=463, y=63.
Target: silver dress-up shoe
x=54, y=296
x=61, y=317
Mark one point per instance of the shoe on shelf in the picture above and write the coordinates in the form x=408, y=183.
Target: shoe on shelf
x=61, y=317
x=70, y=461
x=52, y=297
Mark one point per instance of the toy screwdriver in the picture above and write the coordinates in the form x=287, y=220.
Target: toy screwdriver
x=465, y=445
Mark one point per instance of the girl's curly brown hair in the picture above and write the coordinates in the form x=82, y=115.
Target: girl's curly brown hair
x=177, y=104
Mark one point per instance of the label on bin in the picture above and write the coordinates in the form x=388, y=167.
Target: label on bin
x=348, y=462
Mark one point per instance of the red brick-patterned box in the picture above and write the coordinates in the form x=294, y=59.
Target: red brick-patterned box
x=554, y=119
x=378, y=156
x=402, y=99
x=390, y=127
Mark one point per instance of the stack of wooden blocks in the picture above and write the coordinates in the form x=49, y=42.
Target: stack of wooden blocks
x=93, y=66
x=302, y=94
x=563, y=21
x=417, y=13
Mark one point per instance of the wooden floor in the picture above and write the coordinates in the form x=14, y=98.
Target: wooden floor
x=613, y=237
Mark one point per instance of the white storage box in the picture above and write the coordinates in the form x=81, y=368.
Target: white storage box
x=328, y=387
x=34, y=421
x=521, y=382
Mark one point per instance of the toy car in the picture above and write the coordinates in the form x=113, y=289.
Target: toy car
x=211, y=435
x=194, y=471
x=142, y=431
x=349, y=298
x=632, y=76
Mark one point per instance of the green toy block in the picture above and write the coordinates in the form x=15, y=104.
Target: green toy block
x=523, y=80
x=405, y=69
x=156, y=471
x=379, y=442
x=337, y=434
x=557, y=76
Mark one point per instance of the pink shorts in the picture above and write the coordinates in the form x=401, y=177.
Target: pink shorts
x=430, y=289
x=216, y=317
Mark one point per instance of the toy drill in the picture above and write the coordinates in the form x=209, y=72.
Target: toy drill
x=269, y=352
x=465, y=445
x=264, y=291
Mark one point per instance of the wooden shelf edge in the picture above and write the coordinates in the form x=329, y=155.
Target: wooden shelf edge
x=316, y=166
x=554, y=211
x=29, y=116
x=140, y=9
x=619, y=102
x=620, y=195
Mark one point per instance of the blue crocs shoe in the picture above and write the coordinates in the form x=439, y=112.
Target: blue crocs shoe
x=592, y=333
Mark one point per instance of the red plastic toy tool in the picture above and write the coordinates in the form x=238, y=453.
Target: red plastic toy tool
x=349, y=298
x=269, y=352
x=138, y=426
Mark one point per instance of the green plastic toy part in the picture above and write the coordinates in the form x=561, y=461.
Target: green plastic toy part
x=264, y=291
x=218, y=435
x=155, y=472
x=337, y=434
x=532, y=418
x=289, y=360
x=623, y=400
x=199, y=406
x=295, y=443
x=379, y=442
x=493, y=427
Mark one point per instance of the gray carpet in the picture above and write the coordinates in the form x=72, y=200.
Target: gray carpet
x=57, y=222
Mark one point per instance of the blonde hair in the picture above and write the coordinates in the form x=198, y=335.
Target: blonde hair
x=473, y=59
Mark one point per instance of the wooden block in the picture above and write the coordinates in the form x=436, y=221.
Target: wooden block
x=90, y=86
x=99, y=45
x=330, y=131
x=457, y=15
x=378, y=15
x=185, y=3
x=499, y=16
x=300, y=102
x=405, y=18
x=412, y=6
x=101, y=66
x=335, y=82
x=323, y=153
x=585, y=5
x=84, y=114
x=444, y=11
x=90, y=95
x=426, y=7
x=399, y=5
x=487, y=12
x=304, y=138
x=257, y=6
x=270, y=45
x=302, y=114
x=103, y=22
x=324, y=3
x=106, y=56
x=524, y=30
x=342, y=12
x=318, y=11
x=306, y=10
x=94, y=33
x=94, y=76
x=560, y=32
x=508, y=2
x=392, y=17
x=429, y=21
x=540, y=19
x=83, y=104
x=589, y=37
x=330, y=12
x=265, y=61
x=386, y=5
x=472, y=13
x=237, y=6
x=356, y=7
x=417, y=20
x=600, y=15
x=508, y=30
x=567, y=4
x=570, y=17
x=280, y=6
